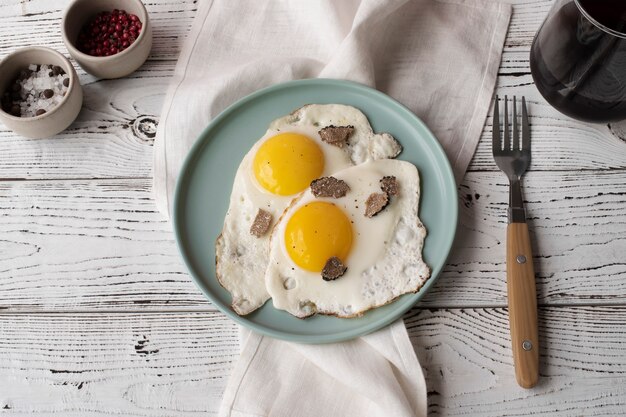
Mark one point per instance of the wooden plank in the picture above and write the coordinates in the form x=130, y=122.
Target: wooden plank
x=10, y=8
x=177, y=364
x=102, y=245
x=131, y=365
x=577, y=231
x=112, y=137
x=108, y=140
x=469, y=369
x=558, y=142
x=88, y=245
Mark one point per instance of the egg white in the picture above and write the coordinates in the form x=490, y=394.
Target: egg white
x=241, y=258
x=386, y=256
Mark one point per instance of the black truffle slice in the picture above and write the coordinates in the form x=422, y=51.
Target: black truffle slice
x=389, y=185
x=329, y=187
x=336, y=135
x=261, y=223
x=375, y=203
x=333, y=269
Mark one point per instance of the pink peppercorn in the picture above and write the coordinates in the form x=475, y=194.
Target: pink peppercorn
x=109, y=33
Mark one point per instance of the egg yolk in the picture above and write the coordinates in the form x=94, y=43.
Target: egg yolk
x=316, y=232
x=286, y=164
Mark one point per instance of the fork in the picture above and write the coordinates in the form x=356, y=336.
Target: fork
x=513, y=159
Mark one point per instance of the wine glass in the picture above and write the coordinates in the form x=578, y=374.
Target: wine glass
x=578, y=59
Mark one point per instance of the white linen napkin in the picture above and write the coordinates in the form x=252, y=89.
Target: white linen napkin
x=375, y=375
x=438, y=57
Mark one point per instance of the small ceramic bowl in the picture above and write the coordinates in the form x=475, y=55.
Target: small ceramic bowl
x=114, y=66
x=56, y=119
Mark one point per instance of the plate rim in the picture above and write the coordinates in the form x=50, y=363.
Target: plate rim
x=342, y=335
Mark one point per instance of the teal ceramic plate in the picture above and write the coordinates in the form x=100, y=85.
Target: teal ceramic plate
x=205, y=182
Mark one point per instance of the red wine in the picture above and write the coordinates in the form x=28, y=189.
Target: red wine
x=578, y=60
x=608, y=13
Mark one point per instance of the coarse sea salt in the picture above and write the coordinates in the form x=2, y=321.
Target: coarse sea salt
x=36, y=91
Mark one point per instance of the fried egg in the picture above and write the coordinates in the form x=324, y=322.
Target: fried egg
x=278, y=167
x=382, y=254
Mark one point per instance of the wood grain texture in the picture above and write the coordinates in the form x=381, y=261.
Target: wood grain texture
x=576, y=226
x=130, y=365
x=558, y=142
x=85, y=245
x=102, y=245
x=469, y=370
x=107, y=139
x=522, y=299
x=176, y=364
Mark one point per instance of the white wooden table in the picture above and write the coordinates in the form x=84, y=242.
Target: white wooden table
x=98, y=315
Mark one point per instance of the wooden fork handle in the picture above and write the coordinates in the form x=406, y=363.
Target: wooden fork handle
x=522, y=295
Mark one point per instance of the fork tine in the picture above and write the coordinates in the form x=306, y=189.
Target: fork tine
x=495, y=144
x=525, y=127
x=515, y=127
x=507, y=138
